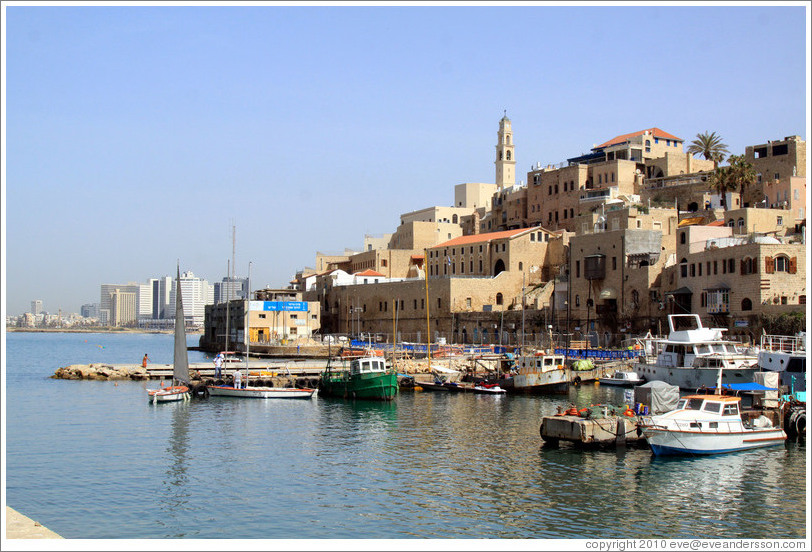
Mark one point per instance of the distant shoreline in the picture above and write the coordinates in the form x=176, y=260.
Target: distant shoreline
x=95, y=330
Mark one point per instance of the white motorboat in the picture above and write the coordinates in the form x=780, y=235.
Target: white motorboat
x=623, y=378
x=488, y=389
x=179, y=390
x=708, y=424
x=260, y=392
x=691, y=356
x=785, y=354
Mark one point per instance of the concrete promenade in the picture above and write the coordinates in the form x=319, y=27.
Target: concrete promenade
x=19, y=526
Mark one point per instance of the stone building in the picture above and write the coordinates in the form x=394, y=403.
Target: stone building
x=774, y=162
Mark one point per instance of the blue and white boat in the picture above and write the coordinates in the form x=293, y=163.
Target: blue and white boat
x=708, y=424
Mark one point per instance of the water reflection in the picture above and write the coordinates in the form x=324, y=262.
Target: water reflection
x=176, y=494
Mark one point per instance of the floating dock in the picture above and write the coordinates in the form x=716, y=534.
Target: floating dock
x=597, y=432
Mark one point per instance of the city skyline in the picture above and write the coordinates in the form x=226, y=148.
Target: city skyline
x=138, y=137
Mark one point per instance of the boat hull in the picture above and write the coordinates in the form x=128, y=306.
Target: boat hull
x=694, y=378
x=553, y=381
x=168, y=394
x=375, y=386
x=260, y=392
x=664, y=442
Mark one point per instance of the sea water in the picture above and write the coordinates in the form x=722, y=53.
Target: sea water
x=91, y=459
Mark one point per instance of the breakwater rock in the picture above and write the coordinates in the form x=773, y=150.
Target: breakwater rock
x=101, y=372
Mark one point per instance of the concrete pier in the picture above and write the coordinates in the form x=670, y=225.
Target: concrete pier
x=609, y=431
x=19, y=526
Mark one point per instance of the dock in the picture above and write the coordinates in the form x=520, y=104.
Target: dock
x=19, y=526
x=598, y=432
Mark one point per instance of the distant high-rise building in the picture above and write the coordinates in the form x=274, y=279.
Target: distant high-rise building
x=90, y=310
x=105, y=298
x=197, y=293
x=36, y=307
x=230, y=288
x=161, y=288
x=123, y=310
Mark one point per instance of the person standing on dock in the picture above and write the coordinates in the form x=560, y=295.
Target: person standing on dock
x=218, y=365
x=237, y=379
x=144, y=361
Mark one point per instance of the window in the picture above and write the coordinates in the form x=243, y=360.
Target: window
x=468, y=302
x=731, y=265
x=439, y=303
x=520, y=266
x=498, y=298
x=577, y=300
x=747, y=304
x=683, y=237
x=668, y=142
x=693, y=270
x=740, y=223
x=577, y=269
x=775, y=176
x=614, y=263
x=781, y=264
x=779, y=221
x=703, y=299
x=683, y=268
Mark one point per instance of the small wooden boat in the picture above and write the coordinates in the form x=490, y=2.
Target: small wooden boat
x=624, y=379
x=432, y=386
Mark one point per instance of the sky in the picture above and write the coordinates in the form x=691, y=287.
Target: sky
x=138, y=137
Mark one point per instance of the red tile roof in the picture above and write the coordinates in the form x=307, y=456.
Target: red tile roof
x=368, y=272
x=478, y=238
x=656, y=132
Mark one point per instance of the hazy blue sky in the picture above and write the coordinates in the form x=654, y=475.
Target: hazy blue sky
x=135, y=136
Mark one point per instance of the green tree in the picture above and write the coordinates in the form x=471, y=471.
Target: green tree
x=741, y=174
x=720, y=180
x=710, y=146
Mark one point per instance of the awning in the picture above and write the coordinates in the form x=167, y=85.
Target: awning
x=690, y=221
x=720, y=287
x=746, y=387
x=680, y=291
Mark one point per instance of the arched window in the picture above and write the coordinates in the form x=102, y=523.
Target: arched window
x=500, y=156
x=499, y=299
x=747, y=304
x=498, y=267
x=683, y=267
x=731, y=223
x=740, y=223
x=781, y=264
x=454, y=219
x=508, y=155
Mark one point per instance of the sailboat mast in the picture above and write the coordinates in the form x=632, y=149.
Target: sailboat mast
x=247, y=323
x=428, y=322
x=228, y=301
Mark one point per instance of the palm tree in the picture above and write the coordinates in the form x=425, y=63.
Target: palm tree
x=710, y=146
x=720, y=181
x=741, y=174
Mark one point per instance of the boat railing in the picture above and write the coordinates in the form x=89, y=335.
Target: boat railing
x=783, y=343
x=704, y=426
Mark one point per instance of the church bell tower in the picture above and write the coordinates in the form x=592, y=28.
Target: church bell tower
x=505, y=158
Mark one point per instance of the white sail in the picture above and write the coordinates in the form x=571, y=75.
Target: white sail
x=181, y=362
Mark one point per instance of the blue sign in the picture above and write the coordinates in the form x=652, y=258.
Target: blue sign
x=278, y=306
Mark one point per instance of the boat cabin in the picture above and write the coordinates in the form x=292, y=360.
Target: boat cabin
x=540, y=363
x=712, y=404
x=368, y=365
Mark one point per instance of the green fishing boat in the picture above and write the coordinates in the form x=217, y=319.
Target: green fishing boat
x=366, y=378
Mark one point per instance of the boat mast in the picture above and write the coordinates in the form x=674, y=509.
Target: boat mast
x=247, y=323
x=428, y=322
x=228, y=300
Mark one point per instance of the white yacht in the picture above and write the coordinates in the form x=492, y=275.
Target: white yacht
x=785, y=354
x=691, y=356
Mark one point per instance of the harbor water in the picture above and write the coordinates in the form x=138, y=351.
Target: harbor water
x=91, y=459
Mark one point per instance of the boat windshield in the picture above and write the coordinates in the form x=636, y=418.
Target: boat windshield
x=689, y=404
